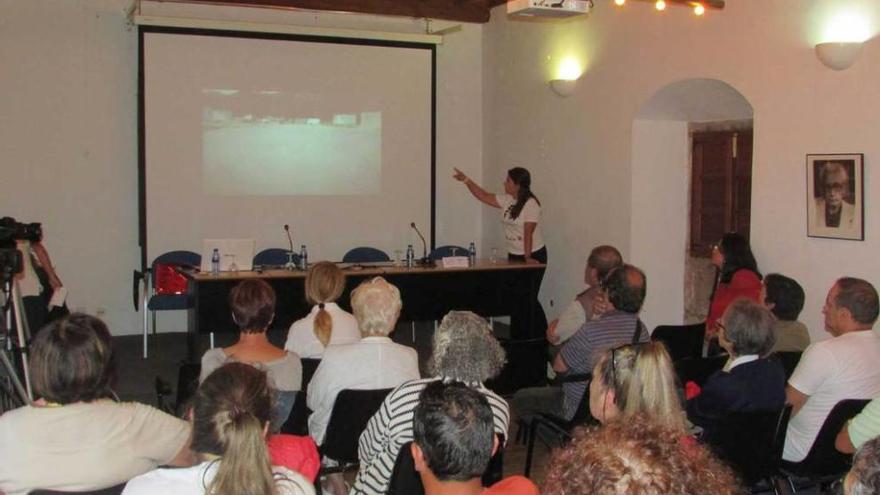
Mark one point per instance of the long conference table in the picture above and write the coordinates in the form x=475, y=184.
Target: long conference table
x=490, y=289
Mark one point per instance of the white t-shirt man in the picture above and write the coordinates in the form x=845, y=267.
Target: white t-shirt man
x=843, y=367
x=514, y=228
x=301, y=338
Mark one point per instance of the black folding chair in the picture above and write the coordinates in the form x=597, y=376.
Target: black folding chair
x=682, y=341
x=789, y=360
x=698, y=369
x=556, y=427
x=112, y=490
x=352, y=411
x=298, y=421
x=405, y=480
x=751, y=443
x=824, y=464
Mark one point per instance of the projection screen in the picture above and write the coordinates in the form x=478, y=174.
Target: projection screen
x=242, y=133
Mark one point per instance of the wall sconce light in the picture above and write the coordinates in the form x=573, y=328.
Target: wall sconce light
x=838, y=55
x=563, y=87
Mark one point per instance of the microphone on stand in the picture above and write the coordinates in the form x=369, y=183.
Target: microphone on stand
x=290, y=265
x=425, y=261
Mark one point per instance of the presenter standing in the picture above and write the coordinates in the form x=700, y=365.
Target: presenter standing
x=520, y=215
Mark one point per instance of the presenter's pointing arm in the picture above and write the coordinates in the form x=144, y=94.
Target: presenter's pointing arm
x=475, y=189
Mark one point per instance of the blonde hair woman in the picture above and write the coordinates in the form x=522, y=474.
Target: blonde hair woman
x=636, y=379
x=327, y=323
x=230, y=418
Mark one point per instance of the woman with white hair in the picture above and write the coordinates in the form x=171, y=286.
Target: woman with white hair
x=373, y=363
x=465, y=350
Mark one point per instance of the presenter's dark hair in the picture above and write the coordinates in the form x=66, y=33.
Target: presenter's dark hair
x=786, y=295
x=522, y=178
x=626, y=287
x=253, y=305
x=860, y=298
x=72, y=360
x=453, y=427
x=737, y=255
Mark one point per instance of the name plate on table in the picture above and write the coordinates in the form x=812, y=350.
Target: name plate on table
x=455, y=262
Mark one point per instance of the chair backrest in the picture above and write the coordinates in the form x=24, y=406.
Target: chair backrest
x=443, y=251
x=112, y=490
x=171, y=258
x=298, y=421
x=751, y=442
x=698, y=369
x=405, y=480
x=823, y=458
x=351, y=412
x=309, y=366
x=365, y=254
x=789, y=360
x=682, y=341
x=273, y=256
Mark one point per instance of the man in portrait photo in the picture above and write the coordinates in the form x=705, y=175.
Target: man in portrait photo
x=834, y=210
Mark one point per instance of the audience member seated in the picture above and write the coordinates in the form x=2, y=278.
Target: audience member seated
x=633, y=380
x=375, y=362
x=230, y=417
x=602, y=260
x=327, y=323
x=865, y=426
x=785, y=298
x=637, y=455
x=75, y=438
x=624, y=289
x=842, y=367
x=864, y=477
x=465, y=350
x=454, y=440
x=749, y=381
x=737, y=277
x=253, y=309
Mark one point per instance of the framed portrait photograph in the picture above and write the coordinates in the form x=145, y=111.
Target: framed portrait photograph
x=836, y=196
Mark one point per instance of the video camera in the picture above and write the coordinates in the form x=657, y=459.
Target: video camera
x=12, y=230
x=10, y=257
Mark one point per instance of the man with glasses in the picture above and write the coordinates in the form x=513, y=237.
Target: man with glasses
x=832, y=208
x=623, y=294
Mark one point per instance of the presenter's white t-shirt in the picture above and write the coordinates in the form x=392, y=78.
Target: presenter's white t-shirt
x=831, y=370
x=514, y=228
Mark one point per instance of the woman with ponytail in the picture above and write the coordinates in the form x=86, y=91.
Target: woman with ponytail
x=230, y=419
x=253, y=309
x=520, y=212
x=327, y=323
x=636, y=379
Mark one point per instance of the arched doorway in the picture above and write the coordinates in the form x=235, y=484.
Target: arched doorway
x=661, y=188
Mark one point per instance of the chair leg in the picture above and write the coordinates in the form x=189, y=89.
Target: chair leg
x=146, y=325
x=530, y=448
x=211, y=338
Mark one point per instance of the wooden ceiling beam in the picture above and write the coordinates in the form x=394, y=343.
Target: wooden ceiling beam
x=452, y=10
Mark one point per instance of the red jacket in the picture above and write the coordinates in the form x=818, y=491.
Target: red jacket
x=744, y=284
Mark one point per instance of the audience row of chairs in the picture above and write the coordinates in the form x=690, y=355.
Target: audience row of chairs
x=165, y=289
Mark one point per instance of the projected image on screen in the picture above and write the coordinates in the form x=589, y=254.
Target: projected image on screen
x=270, y=148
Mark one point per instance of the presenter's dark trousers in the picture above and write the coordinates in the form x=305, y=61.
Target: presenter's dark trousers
x=519, y=329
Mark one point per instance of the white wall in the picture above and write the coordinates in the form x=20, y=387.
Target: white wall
x=579, y=148
x=68, y=136
x=660, y=173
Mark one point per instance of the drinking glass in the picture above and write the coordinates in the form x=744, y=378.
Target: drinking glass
x=493, y=258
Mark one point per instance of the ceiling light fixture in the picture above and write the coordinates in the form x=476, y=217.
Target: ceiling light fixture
x=660, y=5
x=699, y=9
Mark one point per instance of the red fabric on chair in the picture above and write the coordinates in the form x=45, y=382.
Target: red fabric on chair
x=297, y=453
x=169, y=280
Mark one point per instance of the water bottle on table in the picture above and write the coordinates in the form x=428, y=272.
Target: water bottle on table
x=472, y=254
x=303, y=258
x=410, y=256
x=215, y=262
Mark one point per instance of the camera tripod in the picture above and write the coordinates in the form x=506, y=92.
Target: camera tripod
x=12, y=392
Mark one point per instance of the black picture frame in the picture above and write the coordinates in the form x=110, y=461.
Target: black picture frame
x=836, y=196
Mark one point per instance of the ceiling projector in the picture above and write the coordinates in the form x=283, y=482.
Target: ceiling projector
x=548, y=8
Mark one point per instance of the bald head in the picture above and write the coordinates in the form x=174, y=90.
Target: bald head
x=626, y=287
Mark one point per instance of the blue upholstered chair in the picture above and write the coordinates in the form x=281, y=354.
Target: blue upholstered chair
x=365, y=254
x=156, y=297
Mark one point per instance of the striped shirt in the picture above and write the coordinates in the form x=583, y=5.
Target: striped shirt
x=582, y=351
x=392, y=426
